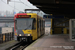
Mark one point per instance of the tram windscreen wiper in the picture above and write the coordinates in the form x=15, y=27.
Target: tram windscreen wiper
x=27, y=27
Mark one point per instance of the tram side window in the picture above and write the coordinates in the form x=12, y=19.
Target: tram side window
x=37, y=23
x=40, y=23
x=34, y=24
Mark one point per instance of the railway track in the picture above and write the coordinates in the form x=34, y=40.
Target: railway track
x=20, y=46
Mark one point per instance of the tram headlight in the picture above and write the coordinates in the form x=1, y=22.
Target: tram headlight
x=29, y=34
x=20, y=35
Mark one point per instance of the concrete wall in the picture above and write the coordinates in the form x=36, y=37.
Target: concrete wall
x=7, y=30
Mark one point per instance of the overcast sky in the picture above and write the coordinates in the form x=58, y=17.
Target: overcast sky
x=18, y=6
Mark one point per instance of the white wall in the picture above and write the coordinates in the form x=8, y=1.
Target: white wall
x=7, y=30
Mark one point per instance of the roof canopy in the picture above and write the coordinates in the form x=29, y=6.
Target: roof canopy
x=56, y=7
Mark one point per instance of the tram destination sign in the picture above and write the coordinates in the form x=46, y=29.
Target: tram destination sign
x=24, y=16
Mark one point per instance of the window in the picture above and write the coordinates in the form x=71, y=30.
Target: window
x=24, y=23
x=40, y=23
x=34, y=24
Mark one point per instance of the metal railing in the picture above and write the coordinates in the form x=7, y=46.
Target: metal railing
x=6, y=37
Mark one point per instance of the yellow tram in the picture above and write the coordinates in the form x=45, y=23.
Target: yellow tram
x=28, y=26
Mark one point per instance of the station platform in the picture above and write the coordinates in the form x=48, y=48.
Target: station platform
x=52, y=42
x=8, y=44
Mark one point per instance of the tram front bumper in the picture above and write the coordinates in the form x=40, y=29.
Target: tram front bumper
x=24, y=38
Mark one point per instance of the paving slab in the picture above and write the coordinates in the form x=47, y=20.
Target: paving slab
x=52, y=42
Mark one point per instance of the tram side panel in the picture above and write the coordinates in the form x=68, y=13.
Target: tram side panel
x=43, y=27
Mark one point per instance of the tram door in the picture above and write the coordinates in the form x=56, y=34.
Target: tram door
x=72, y=29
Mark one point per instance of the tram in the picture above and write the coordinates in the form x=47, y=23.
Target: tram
x=28, y=26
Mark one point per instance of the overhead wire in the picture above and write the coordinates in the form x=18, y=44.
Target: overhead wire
x=10, y=5
x=25, y=4
x=16, y=8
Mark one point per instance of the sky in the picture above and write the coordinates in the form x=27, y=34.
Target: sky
x=20, y=5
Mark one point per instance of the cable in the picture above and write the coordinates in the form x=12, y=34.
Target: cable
x=9, y=5
x=25, y=4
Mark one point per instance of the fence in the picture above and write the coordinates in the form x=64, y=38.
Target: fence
x=6, y=37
